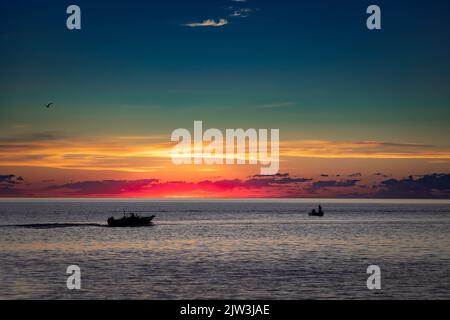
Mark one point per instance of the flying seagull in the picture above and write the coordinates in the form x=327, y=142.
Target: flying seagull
x=49, y=105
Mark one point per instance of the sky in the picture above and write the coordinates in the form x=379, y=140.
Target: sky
x=361, y=113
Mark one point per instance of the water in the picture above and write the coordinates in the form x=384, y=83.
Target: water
x=225, y=250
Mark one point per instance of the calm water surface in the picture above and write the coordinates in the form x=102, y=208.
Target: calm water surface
x=225, y=250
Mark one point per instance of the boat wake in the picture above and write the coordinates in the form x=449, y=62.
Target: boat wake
x=53, y=225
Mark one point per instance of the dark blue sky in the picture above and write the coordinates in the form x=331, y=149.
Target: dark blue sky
x=315, y=59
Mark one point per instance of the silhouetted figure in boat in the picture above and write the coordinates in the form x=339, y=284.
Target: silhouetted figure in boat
x=314, y=213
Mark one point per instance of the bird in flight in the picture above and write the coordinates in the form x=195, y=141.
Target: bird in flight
x=49, y=105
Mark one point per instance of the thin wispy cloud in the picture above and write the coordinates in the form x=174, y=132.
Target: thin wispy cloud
x=149, y=153
x=208, y=23
x=363, y=150
x=241, y=13
x=275, y=105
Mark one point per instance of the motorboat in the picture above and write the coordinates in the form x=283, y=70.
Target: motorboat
x=130, y=220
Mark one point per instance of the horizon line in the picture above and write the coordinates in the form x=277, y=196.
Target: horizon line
x=186, y=199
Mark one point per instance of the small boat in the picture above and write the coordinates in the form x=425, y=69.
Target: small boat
x=130, y=220
x=315, y=213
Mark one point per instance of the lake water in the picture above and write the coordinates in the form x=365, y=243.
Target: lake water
x=258, y=249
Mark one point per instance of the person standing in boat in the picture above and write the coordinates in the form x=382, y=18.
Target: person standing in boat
x=320, y=209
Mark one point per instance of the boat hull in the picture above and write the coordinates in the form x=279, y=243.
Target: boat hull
x=316, y=214
x=130, y=222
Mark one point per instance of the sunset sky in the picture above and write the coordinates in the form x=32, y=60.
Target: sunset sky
x=361, y=113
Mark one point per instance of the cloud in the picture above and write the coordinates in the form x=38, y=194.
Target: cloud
x=241, y=13
x=275, y=105
x=281, y=185
x=276, y=180
x=129, y=153
x=362, y=150
x=149, y=153
x=357, y=174
x=379, y=174
x=33, y=137
x=10, y=179
x=335, y=184
x=208, y=23
x=427, y=186
x=8, y=183
x=283, y=175
x=106, y=187
x=236, y=12
x=6, y=178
